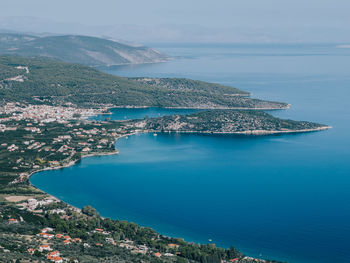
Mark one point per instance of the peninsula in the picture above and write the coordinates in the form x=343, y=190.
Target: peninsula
x=228, y=122
x=47, y=81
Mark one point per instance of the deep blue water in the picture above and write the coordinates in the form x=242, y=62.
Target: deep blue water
x=284, y=197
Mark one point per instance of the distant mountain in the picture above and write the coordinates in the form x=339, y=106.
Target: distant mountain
x=86, y=50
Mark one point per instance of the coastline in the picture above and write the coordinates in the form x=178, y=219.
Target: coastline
x=73, y=163
x=254, y=258
x=198, y=108
x=251, y=132
x=77, y=209
x=134, y=63
x=319, y=148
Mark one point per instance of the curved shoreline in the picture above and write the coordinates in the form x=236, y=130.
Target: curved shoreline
x=77, y=209
x=62, y=167
x=252, y=132
x=73, y=163
x=287, y=106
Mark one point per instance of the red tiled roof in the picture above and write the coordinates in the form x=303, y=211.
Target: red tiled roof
x=44, y=246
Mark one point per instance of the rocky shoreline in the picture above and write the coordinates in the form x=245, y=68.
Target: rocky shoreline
x=252, y=132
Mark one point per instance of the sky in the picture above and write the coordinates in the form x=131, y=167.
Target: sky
x=274, y=17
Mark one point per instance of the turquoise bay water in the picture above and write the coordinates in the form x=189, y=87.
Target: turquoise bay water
x=285, y=197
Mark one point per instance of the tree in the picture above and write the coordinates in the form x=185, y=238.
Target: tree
x=90, y=211
x=181, y=260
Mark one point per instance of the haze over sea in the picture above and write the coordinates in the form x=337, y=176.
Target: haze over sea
x=281, y=197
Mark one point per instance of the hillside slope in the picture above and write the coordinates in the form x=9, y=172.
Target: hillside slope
x=41, y=80
x=90, y=51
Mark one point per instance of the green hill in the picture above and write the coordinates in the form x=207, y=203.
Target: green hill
x=42, y=80
x=84, y=50
x=228, y=122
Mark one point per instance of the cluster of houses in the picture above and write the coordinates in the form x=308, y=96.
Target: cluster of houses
x=35, y=117
x=12, y=148
x=36, y=206
x=44, y=113
x=4, y=128
x=87, y=144
x=244, y=259
x=22, y=177
x=30, y=145
x=32, y=204
x=129, y=245
x=142, y=249
x=49, y=234
x=33, y=144
x=67, y=146
x=247, y=259
x=13, y=221
x=53, y=256
x=32, y=129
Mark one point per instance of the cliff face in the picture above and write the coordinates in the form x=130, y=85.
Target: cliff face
x=90, y=51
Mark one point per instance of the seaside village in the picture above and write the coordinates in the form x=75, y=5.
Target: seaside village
x=68, y=135
x=42, y=113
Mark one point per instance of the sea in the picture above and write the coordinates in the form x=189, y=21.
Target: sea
x=283, y=197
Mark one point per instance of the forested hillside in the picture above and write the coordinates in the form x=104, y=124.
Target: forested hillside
x=42, y=80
